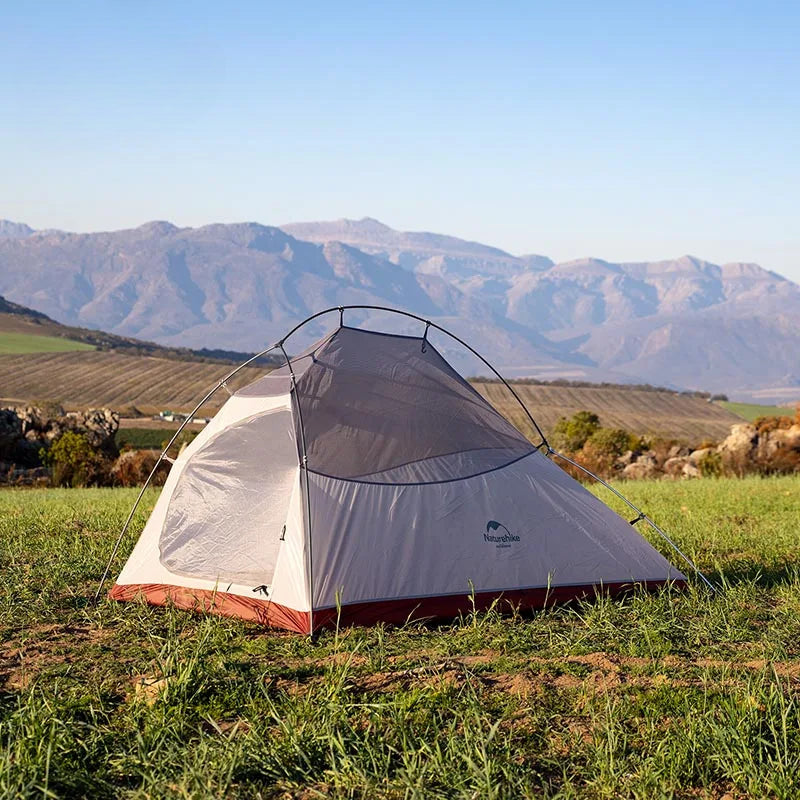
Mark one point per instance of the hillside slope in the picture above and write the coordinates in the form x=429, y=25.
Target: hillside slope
x=109, y=379
x=23, y=324
x=95, y=379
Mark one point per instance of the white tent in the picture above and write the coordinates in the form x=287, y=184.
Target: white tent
x=365, y=481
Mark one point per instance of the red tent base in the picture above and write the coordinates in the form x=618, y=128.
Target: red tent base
x=393, y=612
x=253, y=609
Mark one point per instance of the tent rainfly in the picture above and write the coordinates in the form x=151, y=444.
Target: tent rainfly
x=367, y=481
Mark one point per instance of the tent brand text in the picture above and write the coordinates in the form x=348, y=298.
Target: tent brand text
x=503, y=538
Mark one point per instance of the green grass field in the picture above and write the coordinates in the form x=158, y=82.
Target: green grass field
x=669, y=695
x=149, y=438
x=752, y=411
x=23, y=343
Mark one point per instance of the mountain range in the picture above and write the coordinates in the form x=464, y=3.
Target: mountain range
x=686, y=322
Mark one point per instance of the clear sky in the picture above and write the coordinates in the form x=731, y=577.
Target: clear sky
x=636, y=130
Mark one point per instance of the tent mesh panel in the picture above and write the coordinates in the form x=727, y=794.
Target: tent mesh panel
x=390, y=409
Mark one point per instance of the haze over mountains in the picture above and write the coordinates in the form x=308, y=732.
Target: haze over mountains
x=686, y=322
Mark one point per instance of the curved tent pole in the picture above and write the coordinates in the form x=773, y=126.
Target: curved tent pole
x=544, y=443
x=429, y=324
x=163, y=457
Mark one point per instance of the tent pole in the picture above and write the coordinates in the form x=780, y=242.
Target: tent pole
x=162, y=457
x=641, y=515
x=304, y=469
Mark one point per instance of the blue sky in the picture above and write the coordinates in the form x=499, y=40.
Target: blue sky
x=620, y=130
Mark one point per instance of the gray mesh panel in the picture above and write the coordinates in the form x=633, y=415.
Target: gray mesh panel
x=376, y=407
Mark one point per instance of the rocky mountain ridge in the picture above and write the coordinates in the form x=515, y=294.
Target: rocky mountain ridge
x=684, y=322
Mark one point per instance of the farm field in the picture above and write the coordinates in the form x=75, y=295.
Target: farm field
x=22, y=343
x=661, y=413
x=81, y=380
x=666, y=695
x=752, y=411
x=151, y=438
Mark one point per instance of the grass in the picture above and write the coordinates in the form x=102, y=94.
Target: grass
x=752, y=411
x=24, y=343
x=664, y=695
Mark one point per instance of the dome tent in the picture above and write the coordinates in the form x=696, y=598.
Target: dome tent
x=366, y=481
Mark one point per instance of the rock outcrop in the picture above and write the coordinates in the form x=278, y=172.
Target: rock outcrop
x=25, y=431
x=771, y=447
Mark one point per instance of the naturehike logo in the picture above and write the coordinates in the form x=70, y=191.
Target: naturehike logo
x=503, y=537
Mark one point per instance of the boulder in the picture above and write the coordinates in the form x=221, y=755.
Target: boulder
x=673, y=467
x=622, y=461
x=644, y=467
x=780, y=439
x=690, y=470
x=696, y=455
x=99, y=425
x=678, y=451
x=27, y=429
x=740, y=442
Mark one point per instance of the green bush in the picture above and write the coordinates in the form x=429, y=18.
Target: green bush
x=573, y=433
x=613, y=441
x=74, y=462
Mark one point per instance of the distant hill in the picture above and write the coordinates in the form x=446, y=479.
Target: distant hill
x=14, y=230
x=244, y=286
x=19, y=321
x=684, y=322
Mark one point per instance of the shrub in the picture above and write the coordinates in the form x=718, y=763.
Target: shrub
x=783, y=461
x=133, y=467
x=613, y=441
x=710, y=464
x=74, y=462
x=573, y=433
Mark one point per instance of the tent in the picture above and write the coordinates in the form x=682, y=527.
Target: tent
x=366, y=481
